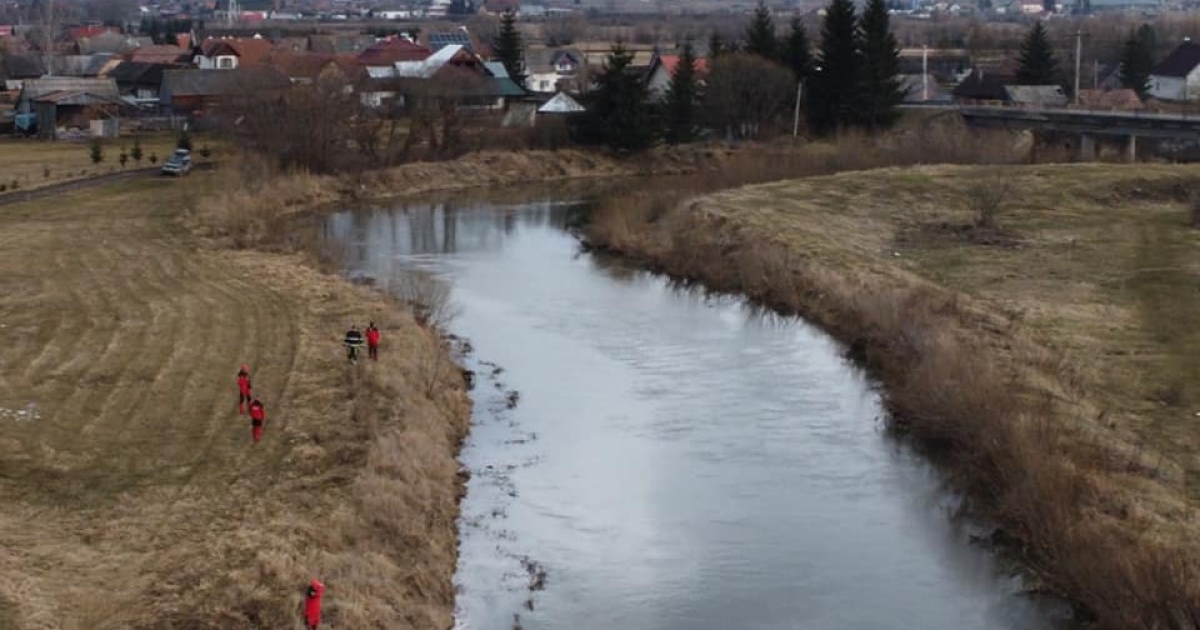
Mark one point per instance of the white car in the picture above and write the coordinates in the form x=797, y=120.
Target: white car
x=178, y=164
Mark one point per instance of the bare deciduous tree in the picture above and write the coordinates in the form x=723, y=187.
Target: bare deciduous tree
x=745, y=94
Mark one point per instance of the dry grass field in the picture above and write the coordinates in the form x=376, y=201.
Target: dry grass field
x=35, y=163
x=131, y=495
x=1036, y=326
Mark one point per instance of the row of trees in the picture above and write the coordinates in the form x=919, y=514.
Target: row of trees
x=1039, y=65
x=852, y=82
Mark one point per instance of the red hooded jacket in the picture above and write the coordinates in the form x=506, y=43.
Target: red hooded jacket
x=244, y=383
x=373, y=336
x=312, y=604
x=257, y=412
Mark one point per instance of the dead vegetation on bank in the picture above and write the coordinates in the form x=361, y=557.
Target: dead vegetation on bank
x=1025, y=368
x=134, y=498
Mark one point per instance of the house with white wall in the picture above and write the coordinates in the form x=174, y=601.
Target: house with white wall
x=1177, y=78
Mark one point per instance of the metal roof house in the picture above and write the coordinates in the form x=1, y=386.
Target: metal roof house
x=1177, y=78
x=62, y=103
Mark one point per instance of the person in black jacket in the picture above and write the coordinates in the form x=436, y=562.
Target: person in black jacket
x=354, y=341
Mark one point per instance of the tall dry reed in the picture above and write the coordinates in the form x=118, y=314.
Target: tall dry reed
x=1017, y=451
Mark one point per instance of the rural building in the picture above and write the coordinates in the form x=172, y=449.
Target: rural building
x=139, y=83
x=64, y=103
x=312, y=68
x=16, y=68
x=169, y=55
x=662, y=68
x=1121, y=100
x=227, y=54
x=561, y=103
x=550, y=69
x=1036, y=96
x=392, y=51
x=983, y=88
x=199, y=92
x=1177, y=77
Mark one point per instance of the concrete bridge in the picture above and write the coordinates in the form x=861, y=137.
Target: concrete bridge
x=1092, y=126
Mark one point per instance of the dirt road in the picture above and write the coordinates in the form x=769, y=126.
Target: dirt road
x=131, y=494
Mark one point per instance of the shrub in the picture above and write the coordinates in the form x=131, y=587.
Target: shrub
x=986, y=199
x=96, y=151
x=136, y=151
x=153, y=158
x=426, y=295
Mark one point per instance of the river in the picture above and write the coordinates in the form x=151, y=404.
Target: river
x=645, y=456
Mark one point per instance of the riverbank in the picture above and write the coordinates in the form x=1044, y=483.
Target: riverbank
x=133, y=496
x=248, y=204
x=1043, y=352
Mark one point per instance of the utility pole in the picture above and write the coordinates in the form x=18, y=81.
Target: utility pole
x=796, y=116
x=1078, y=52
x=925, y=73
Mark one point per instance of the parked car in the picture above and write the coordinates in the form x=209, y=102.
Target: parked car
x=178, y=164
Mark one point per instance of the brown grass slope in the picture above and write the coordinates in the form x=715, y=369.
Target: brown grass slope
x=1049, y=357
x=135, y=499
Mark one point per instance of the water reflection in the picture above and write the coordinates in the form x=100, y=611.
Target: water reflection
x=677, y=460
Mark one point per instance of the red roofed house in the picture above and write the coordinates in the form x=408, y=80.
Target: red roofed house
x=390, y=51
x=662, y=68
x=79, y=32
x=227, y=54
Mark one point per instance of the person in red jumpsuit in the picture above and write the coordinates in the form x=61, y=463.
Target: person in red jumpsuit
x=258, y=414
x=243, y=381
x=373, y=342
x=312, y=605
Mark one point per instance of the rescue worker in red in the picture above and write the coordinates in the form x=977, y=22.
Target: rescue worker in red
x=243, y=381
x=312, y=605
x=373, y=342
x=258, y=415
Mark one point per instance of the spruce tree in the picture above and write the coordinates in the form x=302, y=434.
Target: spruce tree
x=681, y=98
x=508, y=48
x=880, y=90
x=618, y=112
x=1038, y=65
x=1136, y=61
x=760, y=35
x=834, y=85
x=795, y=53
x=716, y=45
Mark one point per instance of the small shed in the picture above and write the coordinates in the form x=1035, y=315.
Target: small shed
x=561, y=103
x=66, y=102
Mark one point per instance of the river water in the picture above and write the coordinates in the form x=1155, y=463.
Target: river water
x=644, y=456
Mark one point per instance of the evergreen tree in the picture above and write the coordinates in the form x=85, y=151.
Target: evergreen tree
x=1149, y=40
x=881, y=91
x=96, y=151
x=795, y=52
x=508, y=48
x=760, y=35
x=1038, y=65
x=681, y=98
x=618, y=111
x=716, y=45
x=1136, y=61
x=834, y=85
